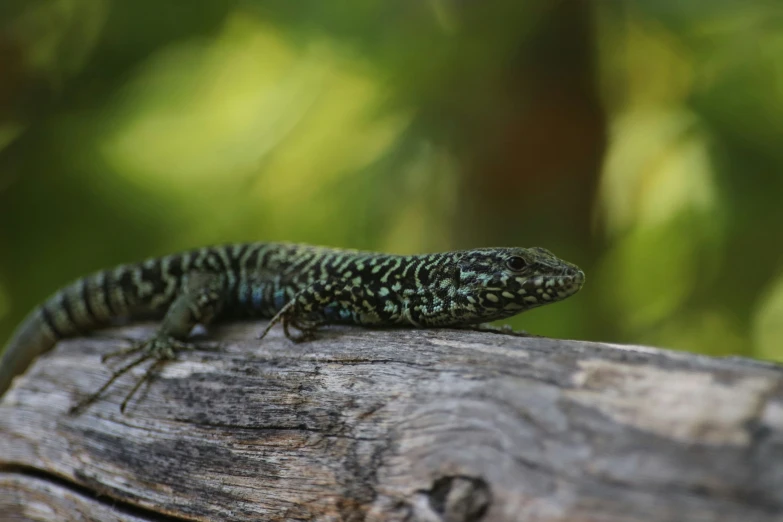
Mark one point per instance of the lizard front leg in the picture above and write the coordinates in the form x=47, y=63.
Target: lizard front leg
x=319, y=304
x=302, y=312
x=201, y=297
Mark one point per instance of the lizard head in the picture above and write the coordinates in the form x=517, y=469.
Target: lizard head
x=506, y=281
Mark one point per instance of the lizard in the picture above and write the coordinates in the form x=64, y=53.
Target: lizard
x=301, y=286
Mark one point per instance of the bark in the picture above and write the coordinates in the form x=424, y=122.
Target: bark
x=395, y=425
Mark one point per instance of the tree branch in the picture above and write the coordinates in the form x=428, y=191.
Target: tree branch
x=396, y=425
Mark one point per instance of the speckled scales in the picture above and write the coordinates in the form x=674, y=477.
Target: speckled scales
x=301, y=286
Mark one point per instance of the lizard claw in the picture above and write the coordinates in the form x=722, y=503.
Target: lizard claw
x=160, y=349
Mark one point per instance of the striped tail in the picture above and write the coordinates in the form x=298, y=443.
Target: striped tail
x=67, y=313
x=32, y=338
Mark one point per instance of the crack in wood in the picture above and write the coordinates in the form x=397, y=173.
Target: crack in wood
x=118, y=505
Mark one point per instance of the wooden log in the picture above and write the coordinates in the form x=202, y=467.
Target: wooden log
x=401, y=425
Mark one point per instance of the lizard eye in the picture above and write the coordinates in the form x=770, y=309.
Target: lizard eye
x=516, y=263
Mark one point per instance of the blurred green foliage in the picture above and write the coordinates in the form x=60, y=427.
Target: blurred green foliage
x=640, y=140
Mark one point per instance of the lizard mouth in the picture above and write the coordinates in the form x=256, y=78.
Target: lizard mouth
x=548, y=288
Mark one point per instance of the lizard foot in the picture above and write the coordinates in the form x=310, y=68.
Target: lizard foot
x=503, y=329
x=159, y=349
x=288, y=316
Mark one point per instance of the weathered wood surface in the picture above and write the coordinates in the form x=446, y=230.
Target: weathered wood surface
x=396, y=425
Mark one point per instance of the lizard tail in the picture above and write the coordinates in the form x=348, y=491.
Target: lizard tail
x=64, y=314
x=32, y=338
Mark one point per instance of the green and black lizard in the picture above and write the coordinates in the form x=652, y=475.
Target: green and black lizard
x=299, y=286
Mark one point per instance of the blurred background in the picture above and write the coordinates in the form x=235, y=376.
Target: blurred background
x=641, y=140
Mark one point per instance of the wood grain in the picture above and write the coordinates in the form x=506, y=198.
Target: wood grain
x=437, y=425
